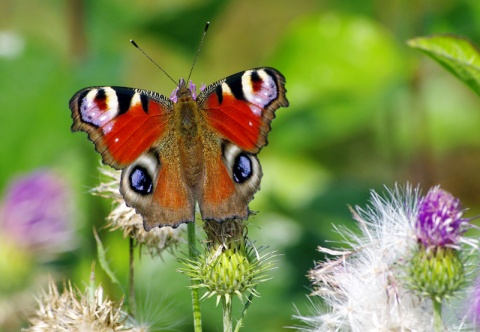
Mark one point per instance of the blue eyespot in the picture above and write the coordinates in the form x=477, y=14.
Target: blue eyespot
x=242, y=168
x=140, y=181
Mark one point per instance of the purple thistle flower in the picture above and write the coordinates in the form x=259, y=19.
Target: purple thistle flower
x=173, y=95
x=36, y=213
x=193, y=89
x=440, y=221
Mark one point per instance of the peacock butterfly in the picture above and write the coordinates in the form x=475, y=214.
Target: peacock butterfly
x=187, y=149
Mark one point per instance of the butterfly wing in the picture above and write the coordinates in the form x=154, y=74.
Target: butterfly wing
x=132, y=130
x=241, y=107
x=154, y=186
x=123, y=123
x=238, y=111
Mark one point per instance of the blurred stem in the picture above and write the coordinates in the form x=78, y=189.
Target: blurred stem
x=91, y=290
x=227, y=314
x=437, y=316
x=77, y=21
x=192, y=253
x=131, y=296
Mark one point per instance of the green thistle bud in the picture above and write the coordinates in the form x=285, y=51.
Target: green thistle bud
x=231, y=267
x=436, y=272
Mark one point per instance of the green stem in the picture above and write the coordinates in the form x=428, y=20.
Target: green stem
x=192, y=253
x=437, y=316
x=131, y=285
x=91, y=289
x=227, y=315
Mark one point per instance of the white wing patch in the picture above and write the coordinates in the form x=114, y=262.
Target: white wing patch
x=90, y=111
x=259, y=92
x=135, y=100
x=226, y=89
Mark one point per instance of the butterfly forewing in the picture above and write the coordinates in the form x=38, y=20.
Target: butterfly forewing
x=241, y=107
x=123, y=123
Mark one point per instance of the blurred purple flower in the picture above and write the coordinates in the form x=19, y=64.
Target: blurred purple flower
x=36, y=213
x=440, y=220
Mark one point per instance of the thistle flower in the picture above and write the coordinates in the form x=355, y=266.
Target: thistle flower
x=35, y=226
x=36, y=214
x=74, y=311
x=362, y=289
x=231, y=265
x=440, y=221
x=126, y=219
x=191, y=86
x=437, y=266
x=368, y=287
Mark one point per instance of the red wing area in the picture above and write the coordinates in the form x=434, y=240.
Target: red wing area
x=123, y=123
x=154, y=186
x=172, y=200
x=134, y=132
x=241, y=107
x=171, y=192
x=219, y=199
x=234, y=120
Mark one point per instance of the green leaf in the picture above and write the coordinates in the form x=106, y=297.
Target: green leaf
x=457, y=54
x=103, y=261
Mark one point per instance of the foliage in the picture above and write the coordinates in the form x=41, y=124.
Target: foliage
x=457, y=54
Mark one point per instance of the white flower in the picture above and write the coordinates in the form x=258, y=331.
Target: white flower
x=127, y=219
x=75, y=311
x=363, y=287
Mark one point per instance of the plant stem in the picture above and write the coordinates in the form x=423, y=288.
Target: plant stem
x=437, y=316
x=192, y=253
x=91, y=289
x=227, y=315
x=131, y=294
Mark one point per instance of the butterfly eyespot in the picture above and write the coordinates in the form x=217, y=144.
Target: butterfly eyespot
x=242, y=168
x=140, y=181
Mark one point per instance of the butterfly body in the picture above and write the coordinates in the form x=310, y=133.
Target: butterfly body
x=187, y=150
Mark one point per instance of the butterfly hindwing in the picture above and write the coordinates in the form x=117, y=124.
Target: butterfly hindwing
x=230, y=182
x=153, y=185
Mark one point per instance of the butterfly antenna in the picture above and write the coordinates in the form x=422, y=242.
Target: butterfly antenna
x=198, y=50
x=149, y=58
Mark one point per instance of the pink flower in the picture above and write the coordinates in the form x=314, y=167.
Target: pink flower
x=36, y=213
x=440, y=221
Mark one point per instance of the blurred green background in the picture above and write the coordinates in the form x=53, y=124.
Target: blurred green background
x=365, y=111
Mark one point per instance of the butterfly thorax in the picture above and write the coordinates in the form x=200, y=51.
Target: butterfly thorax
x=186, y=111
x=187, y=119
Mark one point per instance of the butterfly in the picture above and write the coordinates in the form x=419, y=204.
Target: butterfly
x=184, y=150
